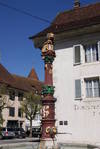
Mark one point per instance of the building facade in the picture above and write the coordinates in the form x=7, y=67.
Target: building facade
x=15, y=88
x=13, y=116
x=76, y=73
x=77, y=89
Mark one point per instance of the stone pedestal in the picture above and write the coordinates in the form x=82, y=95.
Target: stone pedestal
x=48, y=144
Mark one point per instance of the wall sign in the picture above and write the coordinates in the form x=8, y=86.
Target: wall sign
x=94, y=109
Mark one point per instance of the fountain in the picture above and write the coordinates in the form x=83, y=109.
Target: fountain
x=49, y=129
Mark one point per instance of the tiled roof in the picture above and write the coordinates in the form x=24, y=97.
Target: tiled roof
x=73, y=19
x=19, y=82
x=27, y=84
x=5, y=76
x=32, y=75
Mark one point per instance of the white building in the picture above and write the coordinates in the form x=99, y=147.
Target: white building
x=76, y=73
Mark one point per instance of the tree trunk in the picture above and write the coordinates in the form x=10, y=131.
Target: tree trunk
x=1, y=118
x=30, y=128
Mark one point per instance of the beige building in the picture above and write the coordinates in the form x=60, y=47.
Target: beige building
x=16, y=87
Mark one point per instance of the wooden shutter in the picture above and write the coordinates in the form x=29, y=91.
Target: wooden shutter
x=77, y=54
x=78, y=89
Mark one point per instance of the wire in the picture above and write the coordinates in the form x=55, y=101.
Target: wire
x=24, y=12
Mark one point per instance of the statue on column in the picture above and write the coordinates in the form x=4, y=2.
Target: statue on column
x=48, y=45
x=48, y=52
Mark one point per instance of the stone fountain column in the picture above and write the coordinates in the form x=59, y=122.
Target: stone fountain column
x=48, y=101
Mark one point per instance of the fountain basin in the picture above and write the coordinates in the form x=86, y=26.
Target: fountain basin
x=24, y=145
x=36, y=145
x=77, y=146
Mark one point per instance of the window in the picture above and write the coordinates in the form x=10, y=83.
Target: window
x=92, y=88
x=78, y=89
x=37, y=116
x=20, y=112
x=12, y=111
x=60, y=122
x=12, y=94
x=20, y=96
x=65, y=122
x=91, y=53
x=77, y=57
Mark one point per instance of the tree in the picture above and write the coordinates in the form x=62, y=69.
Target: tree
x=1, y=119
x=30, y=106
x=4, y=102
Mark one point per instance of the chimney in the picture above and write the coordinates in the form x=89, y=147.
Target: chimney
x=76, y=4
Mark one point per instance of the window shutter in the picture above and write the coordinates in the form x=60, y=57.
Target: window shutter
x=99, y=50
x=78, y=89
x=77, y=54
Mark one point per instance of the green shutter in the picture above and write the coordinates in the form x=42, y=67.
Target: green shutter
x=78, y=89
x=77, y=55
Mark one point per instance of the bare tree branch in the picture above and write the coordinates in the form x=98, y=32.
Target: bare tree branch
x=30, y=107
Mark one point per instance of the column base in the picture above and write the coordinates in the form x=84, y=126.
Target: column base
x=48, y=144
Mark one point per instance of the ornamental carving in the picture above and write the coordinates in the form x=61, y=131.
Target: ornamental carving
x=48, y=90
x=45, y=111
x=51, y=130
x=48, y=45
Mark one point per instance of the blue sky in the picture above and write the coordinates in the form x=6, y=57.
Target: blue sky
x=17, y=52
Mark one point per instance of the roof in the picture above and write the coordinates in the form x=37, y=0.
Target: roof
x=28, y=84
x=19, y=82
x=32, y=75
x=73, y=19
x=5, y=76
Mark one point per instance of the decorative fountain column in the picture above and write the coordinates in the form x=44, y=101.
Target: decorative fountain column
x=48, y=101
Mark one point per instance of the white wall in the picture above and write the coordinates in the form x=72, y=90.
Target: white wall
x=83, y=116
